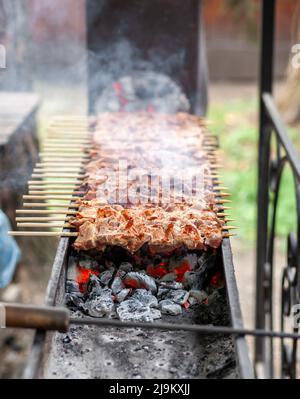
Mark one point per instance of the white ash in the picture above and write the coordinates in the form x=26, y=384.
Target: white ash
x=141, y=281
x=145, y=297
x=106, y=277
x=101, y=304
x=169, y=307
x=122, y=295
x=134, y=310
x=117, y=285
x=178, y=296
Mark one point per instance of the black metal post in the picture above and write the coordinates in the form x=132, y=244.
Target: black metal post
x=266, y=83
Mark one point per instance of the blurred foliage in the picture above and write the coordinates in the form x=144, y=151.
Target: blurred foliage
x=235, y=123
x=244, y=12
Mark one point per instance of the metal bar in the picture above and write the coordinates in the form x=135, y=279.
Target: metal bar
x=266, y=84
x=245, y=365
x=201, y=329
x=281, y=132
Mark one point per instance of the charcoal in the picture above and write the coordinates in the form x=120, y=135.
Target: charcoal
x=139, y=280
x=188, y=262
x=126, y=267
x=117, y=285
x=74, y=301
x=106, y=276
x=177, y=296
x=145, y=297
x=192, y=301
x=162, y=292
x=94, y=287
x=190, y=280
x=72, y=287
x=169, y=277
x=134, y=310
x=167, y=306
x=155, y=313
x=207, y=268
x=199, y=295
x=101, y=305
x=122, y=295
x=174, y=285
x=87, y=262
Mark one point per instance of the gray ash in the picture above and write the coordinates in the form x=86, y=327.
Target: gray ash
x=143, y=287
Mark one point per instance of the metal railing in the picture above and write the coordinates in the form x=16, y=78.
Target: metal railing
x=272, y=163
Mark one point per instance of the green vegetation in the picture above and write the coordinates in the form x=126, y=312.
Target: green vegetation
x=235, y=123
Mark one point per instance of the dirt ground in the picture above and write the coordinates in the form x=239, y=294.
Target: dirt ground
x=31, y=280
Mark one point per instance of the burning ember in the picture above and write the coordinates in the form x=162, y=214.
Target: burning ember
x=141, y=290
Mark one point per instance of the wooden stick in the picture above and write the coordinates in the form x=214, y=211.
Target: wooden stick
x=65, y=150
x=46, y=212
x=58, y=164
x=223, y=201
x=51, y=197
x=42, y=234
x=57, y=175
x=57, y=183
x=67, y=160
x=230, y=228
x=62, y=140
x=56, y=192
x=60, y=234
x=62, y=169
x=49, y=205
x=44, y=219
x=48, y=225
x=60, y=154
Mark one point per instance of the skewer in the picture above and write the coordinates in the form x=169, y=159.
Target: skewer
x=56, y=192
x=57, y=175
x=42, y=234
x=46, y=212
x=60, y=234
x=65, y=150
x=49, y=205
x=62, y=140
x=47, y=225
x=72, y=197
x=60, y=154
x=58, y=164
x=44, y=219
x=51, y=197
x=68, y=148
x=223, y=201
x=67, y=169
x=57, y=183
x=70, y=226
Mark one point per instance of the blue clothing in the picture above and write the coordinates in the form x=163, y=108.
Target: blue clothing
x=9, y=253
